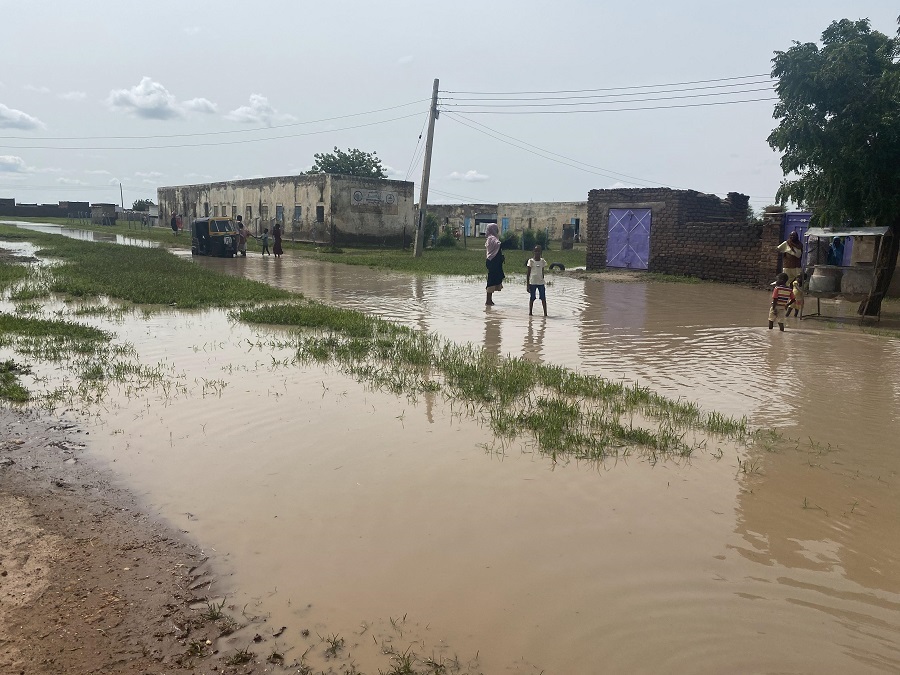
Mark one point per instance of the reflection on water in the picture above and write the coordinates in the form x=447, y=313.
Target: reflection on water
x=339, y=505
x=84, y=235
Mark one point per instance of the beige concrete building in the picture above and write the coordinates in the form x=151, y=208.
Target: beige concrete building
x=549, y=216
x=321, y=208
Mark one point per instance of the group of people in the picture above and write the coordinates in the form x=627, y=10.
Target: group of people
x=534, y=279
x=244, y=234
x=787, y=295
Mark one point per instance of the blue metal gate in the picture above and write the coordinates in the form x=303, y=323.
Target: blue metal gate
x=628, y=244
x=796, y=221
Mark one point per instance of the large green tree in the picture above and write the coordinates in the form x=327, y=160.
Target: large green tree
x=839, y=131
x=351, y=163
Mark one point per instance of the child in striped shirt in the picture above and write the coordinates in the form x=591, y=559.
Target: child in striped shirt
x=781, y=297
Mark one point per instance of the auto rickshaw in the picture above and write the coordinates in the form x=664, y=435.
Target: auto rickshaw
x=214, y=236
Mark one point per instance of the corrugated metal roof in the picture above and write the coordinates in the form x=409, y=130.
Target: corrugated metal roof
x=822, y=232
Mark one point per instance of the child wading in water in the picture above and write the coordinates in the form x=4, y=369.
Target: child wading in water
x=535, y=280
x=264, y=238
x=781, y=296
x=797, y=302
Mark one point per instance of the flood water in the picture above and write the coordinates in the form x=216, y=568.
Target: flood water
x=345, y=511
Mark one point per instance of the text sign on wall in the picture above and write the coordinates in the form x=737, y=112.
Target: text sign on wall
x=373, y=201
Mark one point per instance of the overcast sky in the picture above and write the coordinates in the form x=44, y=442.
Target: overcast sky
x=91, y=92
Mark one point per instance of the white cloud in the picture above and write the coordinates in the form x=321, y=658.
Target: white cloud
x=404, y=60
x=10, y=118
x=39, y=90
x=97, y=172
x=113, y=181
x=12, y=164
x=148, y=174
x=391, y=172
x=73, y=96
x=617, y=185
x=192, y=30
x=471, y=176
x=70, y=181
x=148, y=99
x=200, y=105
x=259, y=111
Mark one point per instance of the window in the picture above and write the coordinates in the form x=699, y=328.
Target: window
x=234, y=211
x=206, y=209
x=320, y=214
x=279, y=213
x=215, y=210
x=297, y=210
x=249, y=215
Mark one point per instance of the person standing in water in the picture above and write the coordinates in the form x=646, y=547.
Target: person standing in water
x=792, y=251
x=276, y=235
x=174, y=225
x=534, y=279
x=494, y=263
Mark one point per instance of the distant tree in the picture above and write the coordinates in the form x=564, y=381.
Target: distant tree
x=432, y=226
x=839, y=131
x=142, y=205
x=351, y=163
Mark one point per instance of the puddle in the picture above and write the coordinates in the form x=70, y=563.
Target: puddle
x=344, y=511
x=83, y=235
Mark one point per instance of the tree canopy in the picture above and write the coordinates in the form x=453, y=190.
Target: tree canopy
x=142, y=205
x=839, y=125
x=351, y=163
x=839, y=132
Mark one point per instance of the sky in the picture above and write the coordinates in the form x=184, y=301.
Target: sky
x=539, y=101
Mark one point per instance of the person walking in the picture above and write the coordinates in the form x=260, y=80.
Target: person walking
x=264, y=238
x=534, y=279
x=782, y=296
x=174, y=225
x=243, y=235
x=494, y=263
x=276, y=235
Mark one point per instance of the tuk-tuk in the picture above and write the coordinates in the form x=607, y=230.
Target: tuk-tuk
x=214, y=236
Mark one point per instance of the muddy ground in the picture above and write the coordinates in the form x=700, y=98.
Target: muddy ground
x=88, y=582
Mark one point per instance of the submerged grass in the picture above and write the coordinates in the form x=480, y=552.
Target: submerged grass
x=139, y=275
x=11, y=389
x=568, y=413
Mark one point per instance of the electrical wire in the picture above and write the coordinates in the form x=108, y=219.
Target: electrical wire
x=201, y=145
x=581, y=91
x=584, y=103
x=602, y=110
x=568, y=98
x=213, y=133
x=416, y=149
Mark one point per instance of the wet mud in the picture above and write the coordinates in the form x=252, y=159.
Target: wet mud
x=397, y=523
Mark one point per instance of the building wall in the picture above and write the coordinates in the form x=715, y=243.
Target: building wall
x=455, y=215
x=691, y=233
x=322, y=208
x=9, y=208
x=542, y=216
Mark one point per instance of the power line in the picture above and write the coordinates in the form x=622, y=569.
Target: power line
x=601, y=110
x=587, y=96
x=570, y=162
x=201, y=145
x=583, y=103
x=212, y=133
x=416, y=149
x=581, y=91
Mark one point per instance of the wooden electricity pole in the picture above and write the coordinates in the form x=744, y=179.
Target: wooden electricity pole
x=426, y=174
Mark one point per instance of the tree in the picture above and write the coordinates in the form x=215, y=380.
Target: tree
x=351, y=163
x=839, y=131
x=142, y=205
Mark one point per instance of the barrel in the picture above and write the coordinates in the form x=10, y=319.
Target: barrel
x=858, y=280
x=825, y=279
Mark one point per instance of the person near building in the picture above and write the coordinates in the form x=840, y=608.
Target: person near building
x=494, y=263
x=792, y=251
x=174, y=224
x=835, y=252
x=243, y=235
x=782, y=295
x=534, y=279
x=276, y=236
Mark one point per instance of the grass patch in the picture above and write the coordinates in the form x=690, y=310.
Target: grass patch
x=10, y=388
x=569, y=414
x=139, y=275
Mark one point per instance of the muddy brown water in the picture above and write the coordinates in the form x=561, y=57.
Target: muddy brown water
x=346, y=511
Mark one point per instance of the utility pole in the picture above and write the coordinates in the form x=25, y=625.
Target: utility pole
x=426, y=174
x=121, y=197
